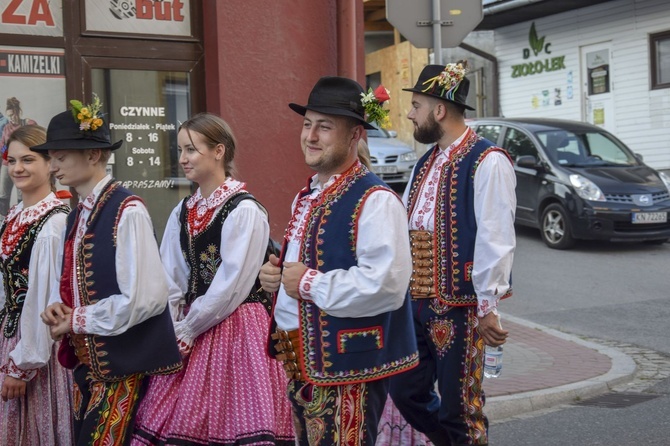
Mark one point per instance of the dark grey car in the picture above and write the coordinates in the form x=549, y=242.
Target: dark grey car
x=578, y=181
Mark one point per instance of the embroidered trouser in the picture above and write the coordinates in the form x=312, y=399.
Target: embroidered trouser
x=104, y=411
x=451, y=353
x=343, y=415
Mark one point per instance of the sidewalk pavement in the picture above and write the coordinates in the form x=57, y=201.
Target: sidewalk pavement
x=543, y=367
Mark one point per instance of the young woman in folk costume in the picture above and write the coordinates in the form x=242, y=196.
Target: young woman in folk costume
x=230, y=391
x=36, y=401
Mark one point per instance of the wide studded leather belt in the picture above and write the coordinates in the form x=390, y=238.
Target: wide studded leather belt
x=422, y=281
x=82, y=349
x=288, y=351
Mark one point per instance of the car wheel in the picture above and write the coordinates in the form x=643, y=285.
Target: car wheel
x=555, y=227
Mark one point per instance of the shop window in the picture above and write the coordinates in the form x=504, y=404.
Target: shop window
x=660, y=60
x=145, y=109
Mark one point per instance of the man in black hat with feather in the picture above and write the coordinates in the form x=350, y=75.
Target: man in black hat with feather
x=461, y=204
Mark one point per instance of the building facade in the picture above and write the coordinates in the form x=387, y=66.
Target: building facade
x=155, y=63
x=607, y=64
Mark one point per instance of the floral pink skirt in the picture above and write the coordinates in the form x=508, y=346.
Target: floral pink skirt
x=229, y=391
x=44, y=414
x=395, y=431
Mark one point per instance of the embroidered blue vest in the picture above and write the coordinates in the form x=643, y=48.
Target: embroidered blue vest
x=15, y=272
x=149, y=347
x=338, y=350
x=455, y=223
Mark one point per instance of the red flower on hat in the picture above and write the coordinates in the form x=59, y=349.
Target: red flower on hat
x=382, y=94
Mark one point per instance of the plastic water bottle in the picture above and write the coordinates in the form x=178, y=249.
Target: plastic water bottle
x=493, y=358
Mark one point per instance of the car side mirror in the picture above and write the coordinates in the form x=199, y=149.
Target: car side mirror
x=639, y=157
x=393, y=133
x=527, y=162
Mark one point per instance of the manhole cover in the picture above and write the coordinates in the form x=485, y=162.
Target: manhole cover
x=617, y=400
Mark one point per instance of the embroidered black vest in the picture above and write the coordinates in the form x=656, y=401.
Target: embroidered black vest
x=338, y=350
x=149, y=347
x=15, y=271
x=202, y=254
x=455, y=222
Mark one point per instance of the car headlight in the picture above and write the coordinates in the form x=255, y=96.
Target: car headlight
x=666, y=180
x=586, y=188
x=409, y=156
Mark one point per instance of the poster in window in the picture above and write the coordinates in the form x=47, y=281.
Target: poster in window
x=31, y=17
x=598, y=71
x=32, y=91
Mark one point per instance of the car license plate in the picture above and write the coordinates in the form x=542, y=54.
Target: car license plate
x=385, y=169
x=650, y=217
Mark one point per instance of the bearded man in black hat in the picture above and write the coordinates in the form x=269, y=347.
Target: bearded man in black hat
x=461, y=204
x=112, y=316
x=341, y=323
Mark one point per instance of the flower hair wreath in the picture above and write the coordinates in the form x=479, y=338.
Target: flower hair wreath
x=87, y=116
x=373, y=102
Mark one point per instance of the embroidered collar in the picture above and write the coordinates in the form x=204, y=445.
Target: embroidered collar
x=219, y=196
x=456, y=143
x=316, y=185
x=31, y=214
x=90, y=200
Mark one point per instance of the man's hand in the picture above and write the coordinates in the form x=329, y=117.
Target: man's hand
x=490, y=330
x=62, y=327
x=55, y=313
x=270, y=275
x=13, y=388
x=293, y=272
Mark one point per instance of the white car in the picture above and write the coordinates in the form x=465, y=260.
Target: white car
x=391, y=159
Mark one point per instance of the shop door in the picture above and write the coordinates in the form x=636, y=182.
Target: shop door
x=597, y=92
x=145, y=109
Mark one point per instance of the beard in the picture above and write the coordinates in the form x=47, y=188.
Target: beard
x=430, y=132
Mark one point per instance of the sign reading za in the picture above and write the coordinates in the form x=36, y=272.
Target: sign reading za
x=414, y=18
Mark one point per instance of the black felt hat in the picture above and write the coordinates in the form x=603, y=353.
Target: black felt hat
x=334, y=95
x=64, y=133
x=443, y=82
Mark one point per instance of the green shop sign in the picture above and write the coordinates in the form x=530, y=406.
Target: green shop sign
x=537, y=46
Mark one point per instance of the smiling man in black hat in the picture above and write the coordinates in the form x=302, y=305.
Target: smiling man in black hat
x=342, y=318
x=461, y=203
x=112, y=318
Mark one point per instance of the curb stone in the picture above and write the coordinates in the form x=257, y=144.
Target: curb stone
x=622, y=370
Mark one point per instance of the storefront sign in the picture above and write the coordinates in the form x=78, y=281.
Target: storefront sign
x=31, y=17
x=538, y=47
x=31, y=63
x=160, y=17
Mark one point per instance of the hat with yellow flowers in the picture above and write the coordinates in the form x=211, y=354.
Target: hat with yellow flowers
x=446, y=82
x=82, y=127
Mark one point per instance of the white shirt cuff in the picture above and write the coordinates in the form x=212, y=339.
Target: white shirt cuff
x=308, y=283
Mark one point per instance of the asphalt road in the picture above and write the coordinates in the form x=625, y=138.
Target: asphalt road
x=610, y=291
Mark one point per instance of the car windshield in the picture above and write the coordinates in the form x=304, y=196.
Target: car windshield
x=586, y=149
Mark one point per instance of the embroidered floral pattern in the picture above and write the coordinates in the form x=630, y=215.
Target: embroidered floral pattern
x=306, y=283
x=209, y=263
x=11, y=369
x=18, y=219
